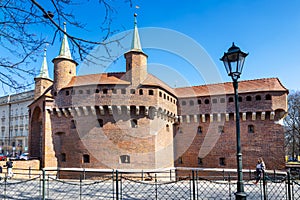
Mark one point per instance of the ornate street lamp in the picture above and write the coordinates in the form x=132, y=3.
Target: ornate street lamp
x=234, y=61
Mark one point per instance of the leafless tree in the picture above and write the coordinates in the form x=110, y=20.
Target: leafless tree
x=21, y=43
x=292, y=125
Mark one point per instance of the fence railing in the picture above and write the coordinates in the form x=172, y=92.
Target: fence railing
x=178, y=183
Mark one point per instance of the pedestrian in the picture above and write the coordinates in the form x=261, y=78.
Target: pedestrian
x=260, y=168
x=9, y=165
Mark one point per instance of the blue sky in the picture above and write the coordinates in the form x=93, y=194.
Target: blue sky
x=268, y=30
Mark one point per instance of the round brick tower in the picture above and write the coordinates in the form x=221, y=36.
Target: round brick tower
x=64, y=66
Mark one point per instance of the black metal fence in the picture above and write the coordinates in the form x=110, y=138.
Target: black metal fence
x=172, y=184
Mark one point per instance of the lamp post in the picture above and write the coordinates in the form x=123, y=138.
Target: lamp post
x=234, y=61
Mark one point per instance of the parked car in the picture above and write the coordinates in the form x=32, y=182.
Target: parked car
x=24, y=156
x=2, y=156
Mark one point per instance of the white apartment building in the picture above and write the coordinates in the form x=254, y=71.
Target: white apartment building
x=14, y=122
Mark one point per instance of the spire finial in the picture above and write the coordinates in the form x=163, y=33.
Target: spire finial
x=136, y=43
x=64, y=49
x=44, y=68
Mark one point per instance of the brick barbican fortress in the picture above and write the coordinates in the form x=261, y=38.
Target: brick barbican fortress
x=133, y=120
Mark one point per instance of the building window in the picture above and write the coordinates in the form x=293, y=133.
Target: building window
x=100, y=122
x=132, y=91
x=67, y=93
x=180, y=161
x=63, y=157
x=199, y=101
x=88, y=92
x=257, y=97
x=80, y=92
x=200, y=161
x=250, y=129
x=248, y=98
x=179, y=130
x=105, y=91
x=221, y=129
x=86, y=158
x=230, y=99
x=222, y=161
x=215, y=101
x=97, y=91
x=140, y=92
x=125, y=159
x=199, y=130
x=134, y=123
x=268, y=97
x=183, y=103
x=150, y=92
x=114, y=91
x=191, y=102
x=240, y=99
x=167, y=127
x=73, y=124
x=123, y=91
x=165, y=96
x=160, y=94
x=222, y=100
x=206, y=101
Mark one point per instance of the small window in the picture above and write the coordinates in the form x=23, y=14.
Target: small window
x=257, y=97
x=132, y=91
x=215, y=101
x=165, y=96
x=221, y=129
x=206, y=101
x=67, y=93
x=183, y=103
x=100, y=122
x=86, y=158
x=268, y=97
x=55, y=94
x=180, y=161
x=88, y=91
x=160, y=94
x=179, y=130
x=222, y=161
x=222, y=100
x=230, y=99
x=191, y=102
x=114, y=91
x=80, y=92
x=167, y=127
x=105, y=91
x=134, y=123
x=199, y=130
x=63, y=157
x=199, y=101
x=97, y=91
x=123, y=91
x=200, y=161
x=240, y=99
x=248, y=98
x=141, y=92
x=73, y=124
x=125, y=159
x=250, y=129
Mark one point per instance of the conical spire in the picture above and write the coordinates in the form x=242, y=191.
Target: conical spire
x=44, y=68
x=136, y=43
x=65, y=49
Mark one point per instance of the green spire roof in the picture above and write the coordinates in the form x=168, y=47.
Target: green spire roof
x=44, y=68
x=64, y=48
x=136, y=43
